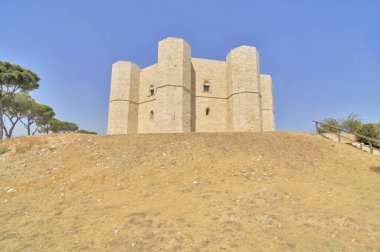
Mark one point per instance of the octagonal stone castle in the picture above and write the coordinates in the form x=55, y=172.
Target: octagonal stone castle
x=185, y=94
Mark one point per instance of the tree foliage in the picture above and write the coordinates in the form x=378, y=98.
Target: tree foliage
x=369, y=130
x=56, y=126
x=14, y=79
x=352, y=123
x=331, y=125
x=14, y=107
x=17, y=106
x=36, y=114
x=82, y=131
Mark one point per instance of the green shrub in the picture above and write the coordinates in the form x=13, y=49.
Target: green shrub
x=351, y=123
x=326, y=128
x=377, y=125
x=369, y=130
x=3, y=150
x=86, y=132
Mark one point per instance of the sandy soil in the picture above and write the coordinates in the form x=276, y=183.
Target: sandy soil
x=188, y=192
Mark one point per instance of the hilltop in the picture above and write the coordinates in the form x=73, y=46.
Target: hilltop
x=188, y=192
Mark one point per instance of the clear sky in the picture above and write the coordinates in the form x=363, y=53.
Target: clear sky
x=323, y=55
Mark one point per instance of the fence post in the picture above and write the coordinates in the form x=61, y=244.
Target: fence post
x=339, y=140
x=370, y=147
x=316, y=127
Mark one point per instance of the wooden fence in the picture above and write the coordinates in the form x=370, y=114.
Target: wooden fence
x=338, y=131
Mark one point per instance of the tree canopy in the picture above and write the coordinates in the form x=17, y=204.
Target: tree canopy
x=13, y=79
x=35, y=113
x=14, y=107
x=17, y=106
x=57, y=126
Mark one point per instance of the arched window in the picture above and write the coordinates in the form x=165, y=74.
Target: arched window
x=206, y=87
x=151, y=90
x=151, y=115
x=207, y=111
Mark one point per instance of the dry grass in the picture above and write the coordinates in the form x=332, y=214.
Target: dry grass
x=3, y=150
x=190, y=192
x=350, y=137
x=24, y=144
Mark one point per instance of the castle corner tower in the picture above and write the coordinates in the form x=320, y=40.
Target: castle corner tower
x=174, y=91
x=123, y=104
x=267, y=102
x=184, y=94
x=243, y=89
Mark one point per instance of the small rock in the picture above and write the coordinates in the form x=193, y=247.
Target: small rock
x=52, y=147
x=11, y=190
x=185, y=142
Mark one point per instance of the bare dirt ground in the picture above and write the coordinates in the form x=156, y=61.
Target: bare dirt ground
x=188, y=192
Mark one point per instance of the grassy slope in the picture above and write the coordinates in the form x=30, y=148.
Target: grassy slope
x=188, y=192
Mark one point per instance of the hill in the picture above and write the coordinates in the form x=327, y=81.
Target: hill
x=188, y=192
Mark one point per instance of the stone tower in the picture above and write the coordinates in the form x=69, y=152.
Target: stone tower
x=123, y=105
x=243, y=89
x=183, y=94
x=174, y=90
x=267, y=102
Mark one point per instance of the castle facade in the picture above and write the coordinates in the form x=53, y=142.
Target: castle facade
x=185, y=94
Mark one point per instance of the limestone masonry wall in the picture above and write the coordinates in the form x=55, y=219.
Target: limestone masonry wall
x=214, y=73
x=147, y=103
x=185, y=94
x=267, y=102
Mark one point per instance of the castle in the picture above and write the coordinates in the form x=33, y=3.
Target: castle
x=185, y=94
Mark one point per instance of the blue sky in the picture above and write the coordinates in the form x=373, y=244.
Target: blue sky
x=323, y=55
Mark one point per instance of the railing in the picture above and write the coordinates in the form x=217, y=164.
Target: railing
x=338, y=131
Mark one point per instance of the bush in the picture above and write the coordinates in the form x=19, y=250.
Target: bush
x=3, y=150
x=351, y=123
x=377, y=125
x=369, y=130
x=86, y=132
x=326, y=128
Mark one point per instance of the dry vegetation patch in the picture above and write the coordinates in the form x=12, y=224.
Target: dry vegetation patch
x=3, y=150
x=24, y=145
x=189, y=192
